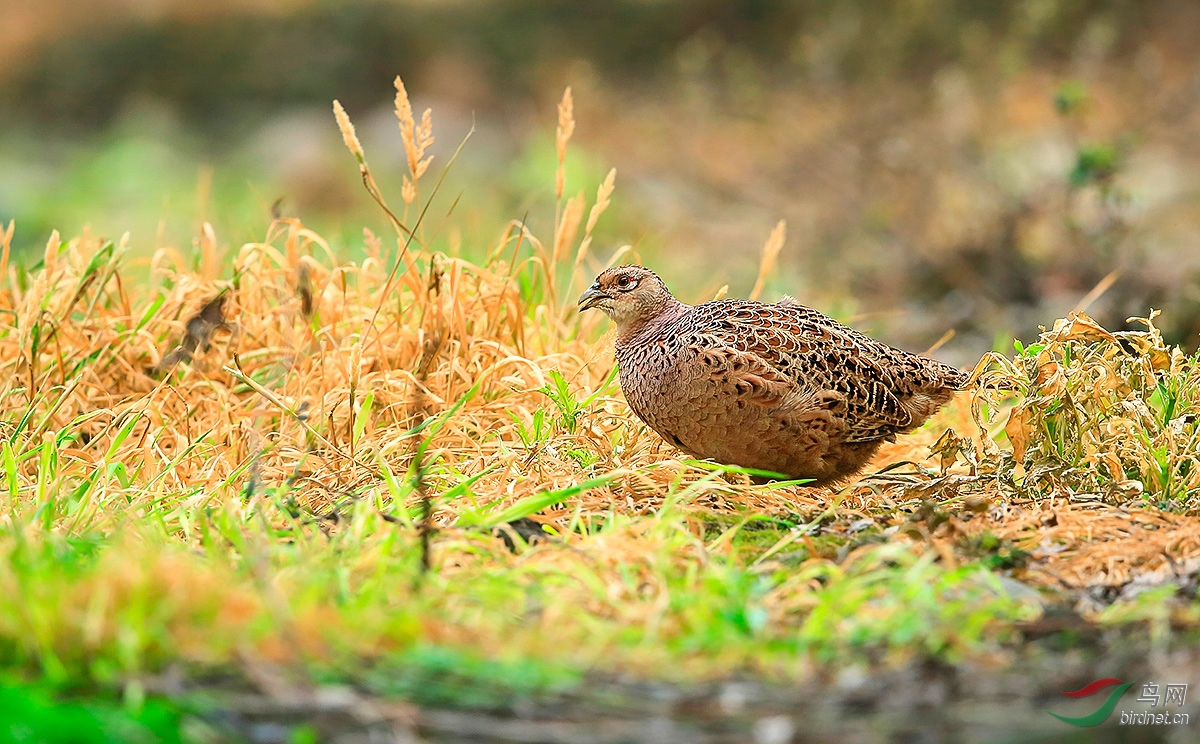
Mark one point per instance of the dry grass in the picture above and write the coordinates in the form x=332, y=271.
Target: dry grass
x=217, y=480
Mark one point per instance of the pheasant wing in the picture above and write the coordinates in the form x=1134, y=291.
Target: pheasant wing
x=793, y=358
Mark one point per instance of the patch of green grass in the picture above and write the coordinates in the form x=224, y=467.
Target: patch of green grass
x=574, y=607
x=30, y=713
x=459, y=678
x=891, y=599
x=995, y=553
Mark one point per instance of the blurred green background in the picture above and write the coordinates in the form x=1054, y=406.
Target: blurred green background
x=942, y=164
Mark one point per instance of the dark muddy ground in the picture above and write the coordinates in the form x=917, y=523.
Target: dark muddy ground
x=1005, y=701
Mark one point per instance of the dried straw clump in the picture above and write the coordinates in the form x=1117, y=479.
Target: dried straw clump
x=1114, y=415
x=303, y=380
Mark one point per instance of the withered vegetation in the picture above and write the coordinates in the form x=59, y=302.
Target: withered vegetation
x=223, y=481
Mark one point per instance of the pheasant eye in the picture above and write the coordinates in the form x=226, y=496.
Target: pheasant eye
x=624, y=282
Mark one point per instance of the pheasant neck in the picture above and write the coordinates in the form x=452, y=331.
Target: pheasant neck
x=649, y=322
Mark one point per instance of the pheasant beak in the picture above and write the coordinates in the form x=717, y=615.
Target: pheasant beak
x=592, y=297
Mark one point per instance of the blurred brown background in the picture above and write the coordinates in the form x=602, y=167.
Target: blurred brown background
x=942, y=164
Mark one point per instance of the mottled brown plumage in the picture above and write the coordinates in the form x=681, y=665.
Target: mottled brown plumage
x=775, y=387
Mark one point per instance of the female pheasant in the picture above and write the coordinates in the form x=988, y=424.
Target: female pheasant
x=779, y=387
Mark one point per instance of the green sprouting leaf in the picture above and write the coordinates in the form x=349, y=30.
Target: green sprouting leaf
x=1070, y=97
x=530, y=504
x=1094, y=163
x=151, y=310
x=559, y=391
x=397, y=490
x=100, y=258
x=360, y=420
x=10, y=471
x=602, y=389
x=122, y=434
x=537, y=430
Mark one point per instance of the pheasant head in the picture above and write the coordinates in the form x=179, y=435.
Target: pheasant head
x=631, y=295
